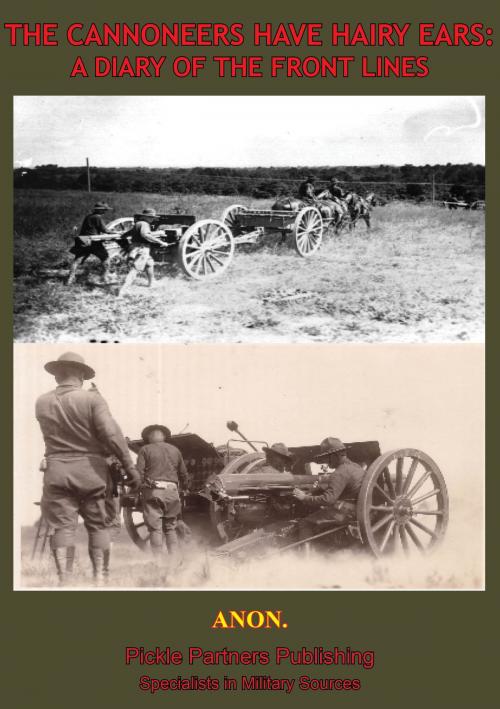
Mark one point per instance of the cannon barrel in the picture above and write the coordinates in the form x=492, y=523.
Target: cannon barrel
x=233, y=427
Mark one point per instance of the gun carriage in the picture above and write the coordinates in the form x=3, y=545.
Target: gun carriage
x=243, y=508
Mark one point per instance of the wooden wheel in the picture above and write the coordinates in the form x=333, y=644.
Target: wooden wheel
x=206, y=249
x=403, y=503
x=121, y=225
x=230, y=218
x=308, y=231
x=136, y=527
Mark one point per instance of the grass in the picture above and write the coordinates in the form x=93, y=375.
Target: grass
x=456, y=564
x=417, y=276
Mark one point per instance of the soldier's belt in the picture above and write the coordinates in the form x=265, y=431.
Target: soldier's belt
x=163, y=485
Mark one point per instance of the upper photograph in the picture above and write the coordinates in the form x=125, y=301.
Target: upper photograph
x=249, y=218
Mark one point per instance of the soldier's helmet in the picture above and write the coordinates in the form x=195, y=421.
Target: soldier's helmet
x=101, y=207
x=155, y=427
x=278, y=449
x=75, y=360
x=329, y=446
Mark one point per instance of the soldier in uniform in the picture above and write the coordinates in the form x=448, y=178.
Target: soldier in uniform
x=139, y=255
x=162, y=472
x=93, y=225
x=335, y=189
x=334, y=500
x=307, y=192
x=79, y=433
x=278, y=458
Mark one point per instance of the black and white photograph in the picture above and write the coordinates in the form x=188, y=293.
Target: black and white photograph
x=249, y=219
x=161, y=467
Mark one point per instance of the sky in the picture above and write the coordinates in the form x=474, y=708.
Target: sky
x=401, y=395
x=246, y=131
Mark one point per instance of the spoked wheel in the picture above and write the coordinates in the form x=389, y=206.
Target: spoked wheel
x=136, y=527
x=206, y=249
x=308, y=231
x=121, y=225
x=230, y=218
x=403, y=503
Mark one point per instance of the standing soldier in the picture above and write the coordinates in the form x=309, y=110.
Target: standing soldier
x=335, y=497
x=139, y=255
x=93, y=225
x=162, y=472
x=79, y=433
x=278, y=458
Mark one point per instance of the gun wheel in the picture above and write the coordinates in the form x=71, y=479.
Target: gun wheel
x=403, y=503
x=206, y=249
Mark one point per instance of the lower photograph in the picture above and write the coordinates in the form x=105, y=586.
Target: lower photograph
x=266, y=467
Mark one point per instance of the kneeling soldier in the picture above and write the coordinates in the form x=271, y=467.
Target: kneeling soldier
x=336, y=495
x=79, y=433
x=139, y=255
x=162, y=472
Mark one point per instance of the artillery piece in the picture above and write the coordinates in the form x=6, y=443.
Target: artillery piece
x=403, y=502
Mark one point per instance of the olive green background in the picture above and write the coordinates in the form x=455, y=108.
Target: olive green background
x=434, y=648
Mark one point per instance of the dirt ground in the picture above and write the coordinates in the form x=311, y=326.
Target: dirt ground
x=456, y=564
x=417, y=276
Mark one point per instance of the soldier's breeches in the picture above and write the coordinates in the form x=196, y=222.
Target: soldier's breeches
x=160, y=509
x=76, y=487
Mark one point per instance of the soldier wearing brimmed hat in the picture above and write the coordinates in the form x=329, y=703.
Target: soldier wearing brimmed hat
x=335, y=189
x=139, y=255
x=334, y=499
x=163, y=472
x=85, y=246
x=79, y=433
x=278, y=458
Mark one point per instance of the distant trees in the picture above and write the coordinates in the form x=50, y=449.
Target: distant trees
x=389, y=181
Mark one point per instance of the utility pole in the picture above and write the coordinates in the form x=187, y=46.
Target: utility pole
x=433, y=188
x=89, y=186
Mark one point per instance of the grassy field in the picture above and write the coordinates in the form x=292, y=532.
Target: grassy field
x=456, y=564
x=417, y=276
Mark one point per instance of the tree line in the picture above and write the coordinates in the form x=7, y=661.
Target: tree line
x=451, y=181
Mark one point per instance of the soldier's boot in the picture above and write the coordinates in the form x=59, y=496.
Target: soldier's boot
x=129, y=279
x=172, y=545
x=97, y=559
x=70, y=560
x=150, y=273
x=105, y=570
x=60, y=555
x=72, y=271
x=156, y=542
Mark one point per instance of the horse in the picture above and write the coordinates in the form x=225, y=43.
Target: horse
x=329, y=209
x=360, y=207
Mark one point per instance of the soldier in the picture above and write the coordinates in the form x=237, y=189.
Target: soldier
x=139, y=255
x=162, y=472
x=335, y=189
x=79, y=433
x=84, y=246
x=335, y=498
x=278, y=458
x=306, y=190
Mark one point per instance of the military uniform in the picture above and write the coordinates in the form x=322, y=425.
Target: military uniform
x=139, y=255
x=85, y=246
x=162, y=472
x=79, y=433
x=336, y=496
x=306, y=192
